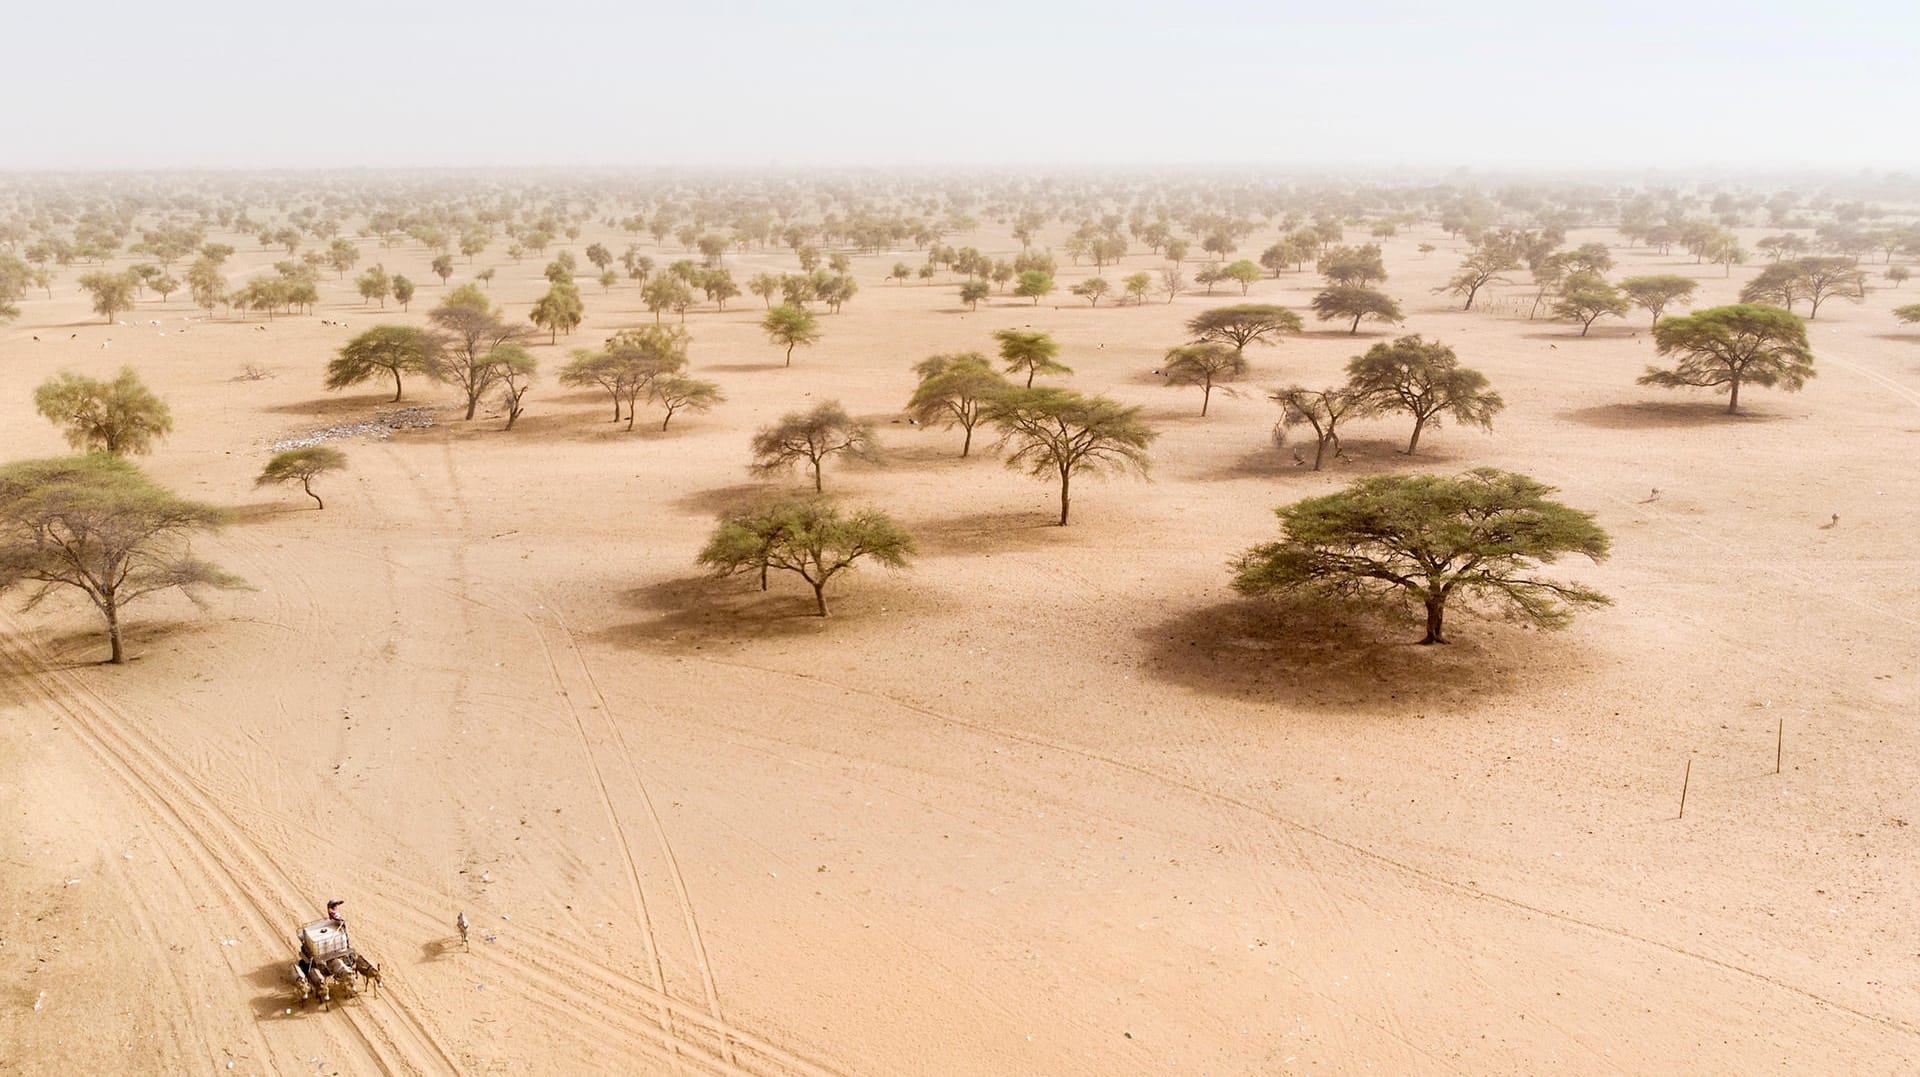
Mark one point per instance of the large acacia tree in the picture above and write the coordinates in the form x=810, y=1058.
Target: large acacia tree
x=1057, y=432
x=385, y=350
x=97, y=524
x=1355, y=301
x=1722, y=348
x=954, y=391
x=119, y=417
x=809, y=537
x=1425, y=380
x=471, y=329
x=1429, y=540
x=1243, y=324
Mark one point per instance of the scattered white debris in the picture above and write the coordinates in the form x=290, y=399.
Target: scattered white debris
x=230, y=942
x=379, y=428
x=72, y=882
x=39, y=1002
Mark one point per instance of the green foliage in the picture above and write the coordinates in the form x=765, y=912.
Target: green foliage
x=1814, y=279
x=1242, y=272
x=1355, y=301
x=677, y=393
x=629, y=364
x=1586, y=297
x=374, y=284
x=442, y=267
x=812, y=436
x=666, y=292
x=1655, y=294
x=1137, y=286
x=470, y=329
x=1424, y=379
x=392, y=350
x=1909, y=313
x=1033, y=284
x=1205, y=365
x=96, y=523
x=1092, y=289
x=1031, y=351
x=1247, y=323
x=561, y=308
x=954, y=390
x=809, y=537
x=112, y=292
x=1482, y=266
x=791, y=326
x=513, y=369
x=403, y=291
x=1722, y=348
x=973, y=291
x=1426, y=539
x=1355, y=266
x=302, y=465
x=1057, y=432
x=120, y=417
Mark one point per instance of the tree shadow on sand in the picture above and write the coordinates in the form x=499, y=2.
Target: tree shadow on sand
x=1657, y=415
x=692, y=612
x=1359, y=458
x=1353, y=659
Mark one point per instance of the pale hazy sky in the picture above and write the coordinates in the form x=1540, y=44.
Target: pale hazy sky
x=349, y=83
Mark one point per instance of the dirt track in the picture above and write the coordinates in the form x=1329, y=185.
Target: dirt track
x=1050, y=802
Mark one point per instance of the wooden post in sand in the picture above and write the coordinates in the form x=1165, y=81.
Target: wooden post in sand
x=1779, y=743
x=1684, y=779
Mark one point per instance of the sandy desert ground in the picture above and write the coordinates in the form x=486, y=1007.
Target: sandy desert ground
x=1052, y=801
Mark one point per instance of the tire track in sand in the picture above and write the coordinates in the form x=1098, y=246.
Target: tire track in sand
x=231, y=862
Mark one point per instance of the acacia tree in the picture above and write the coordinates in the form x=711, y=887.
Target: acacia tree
x=954, y=391
x=791, y=326
x=1205, y=365
x=813, y=436
x=111, y=292
x=1322, y=409
x=403, y=291
x=513, y=369
x=97, y=523
x=1722, y=348
x=1242, y=272
x=302, y=465
x=1033, y=283
x=470, y=329
x=1243, y=324
x=442, y=267
x=1428, y=539
x=767, y=285
x=1092, y=289
x=1823, y=278
x=1655, y=294
x=1483, y=266
x=1424, y=379
x=561, y=308
x=1057, y=432
x=808, y=537
x=677, y=393
x=374, y=284
x=391, y=350
x=120, y=417
x=1350, y=265
x=1030, y=351
x=1355, y=301
x=1586, y=297
x=973, y=291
